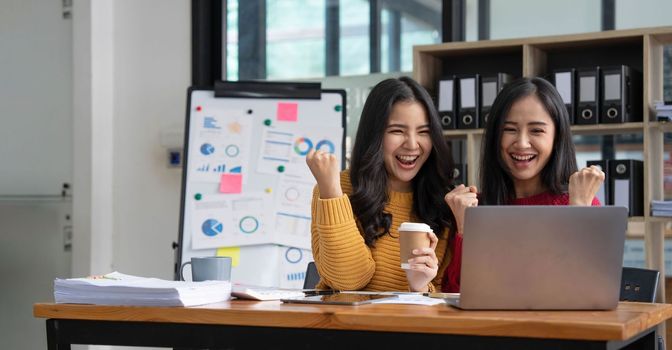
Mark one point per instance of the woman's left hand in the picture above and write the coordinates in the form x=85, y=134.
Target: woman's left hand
x=584, y=184
x=423, y=266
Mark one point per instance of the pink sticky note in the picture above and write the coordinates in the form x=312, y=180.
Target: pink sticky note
x=231, y=183
x=288, y=112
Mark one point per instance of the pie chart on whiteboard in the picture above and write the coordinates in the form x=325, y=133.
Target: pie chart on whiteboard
x=207, y=149
x=212, y=227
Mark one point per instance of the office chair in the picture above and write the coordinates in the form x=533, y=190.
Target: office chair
x=640, y=285
x=312, y=276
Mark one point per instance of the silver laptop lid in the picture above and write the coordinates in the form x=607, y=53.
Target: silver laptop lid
x=542, y=257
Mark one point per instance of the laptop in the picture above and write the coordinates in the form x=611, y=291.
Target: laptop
x=542, y=258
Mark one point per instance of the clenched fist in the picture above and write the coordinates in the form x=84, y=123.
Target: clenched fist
x=584, y=184
x=458, y=200
x=325, y=169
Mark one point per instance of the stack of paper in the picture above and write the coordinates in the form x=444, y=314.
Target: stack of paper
x=119, y=289
x=661, y=208
x=663, y=111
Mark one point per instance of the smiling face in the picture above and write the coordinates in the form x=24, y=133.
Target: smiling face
x=527, y=144
x=406, y=144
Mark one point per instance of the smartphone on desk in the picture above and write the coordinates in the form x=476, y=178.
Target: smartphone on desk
x=340, y=299
x=312, y=292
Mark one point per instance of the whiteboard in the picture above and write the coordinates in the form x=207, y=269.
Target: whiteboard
x=245, y=183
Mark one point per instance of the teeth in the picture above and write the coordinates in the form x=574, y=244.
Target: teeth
x=407, y=158
x=525, y=157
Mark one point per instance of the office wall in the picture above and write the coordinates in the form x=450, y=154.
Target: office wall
x=35, y=97
x=132, y=69
x=32, y=254
x=35, y=160
x=93, y=85
x=152, y=72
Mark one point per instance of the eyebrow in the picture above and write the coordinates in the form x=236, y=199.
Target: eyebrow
x=530, y=123
x=403, y=126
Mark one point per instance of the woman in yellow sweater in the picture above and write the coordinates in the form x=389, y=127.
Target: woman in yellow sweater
x=398, y=173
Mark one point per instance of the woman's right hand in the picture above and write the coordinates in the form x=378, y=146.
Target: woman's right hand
x=458, y=200
x=325, y=169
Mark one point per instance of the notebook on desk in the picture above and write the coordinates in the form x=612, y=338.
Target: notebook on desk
x=242, y=291
x=542, y=258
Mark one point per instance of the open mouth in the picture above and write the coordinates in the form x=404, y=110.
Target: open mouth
x=407, y=160
x=522, y=158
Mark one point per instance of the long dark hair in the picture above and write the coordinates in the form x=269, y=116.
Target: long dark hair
x=496, y=184
x=367, y=167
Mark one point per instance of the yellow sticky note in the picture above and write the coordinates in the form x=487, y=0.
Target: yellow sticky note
x=233, y=252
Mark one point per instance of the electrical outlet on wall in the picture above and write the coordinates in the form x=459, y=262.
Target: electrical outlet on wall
x=174, y=158
x=173, y=140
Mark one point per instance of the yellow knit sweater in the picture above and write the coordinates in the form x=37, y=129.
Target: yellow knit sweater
x=343, y=259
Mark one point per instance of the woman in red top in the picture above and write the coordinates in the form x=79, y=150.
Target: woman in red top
x=527, y=158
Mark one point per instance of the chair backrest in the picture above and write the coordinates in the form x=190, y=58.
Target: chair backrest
x=639, y=284
x=312, y=276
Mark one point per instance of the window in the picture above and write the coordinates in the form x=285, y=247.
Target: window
x=232, y=40
x=643, y=13
x=296, y=41
x=354, y=37
x=415, y=31
x=526, y=18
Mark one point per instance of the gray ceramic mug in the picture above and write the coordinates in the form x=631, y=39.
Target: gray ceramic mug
x=208, y=268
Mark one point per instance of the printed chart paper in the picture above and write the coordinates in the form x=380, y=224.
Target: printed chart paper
x=222, y=145
x=231, y=220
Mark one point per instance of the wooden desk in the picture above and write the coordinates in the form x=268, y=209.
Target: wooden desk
x=271, y=324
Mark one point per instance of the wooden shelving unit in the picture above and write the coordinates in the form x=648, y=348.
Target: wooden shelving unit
x=539, y=56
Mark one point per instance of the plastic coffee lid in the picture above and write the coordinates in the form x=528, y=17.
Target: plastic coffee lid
x=414, y=226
